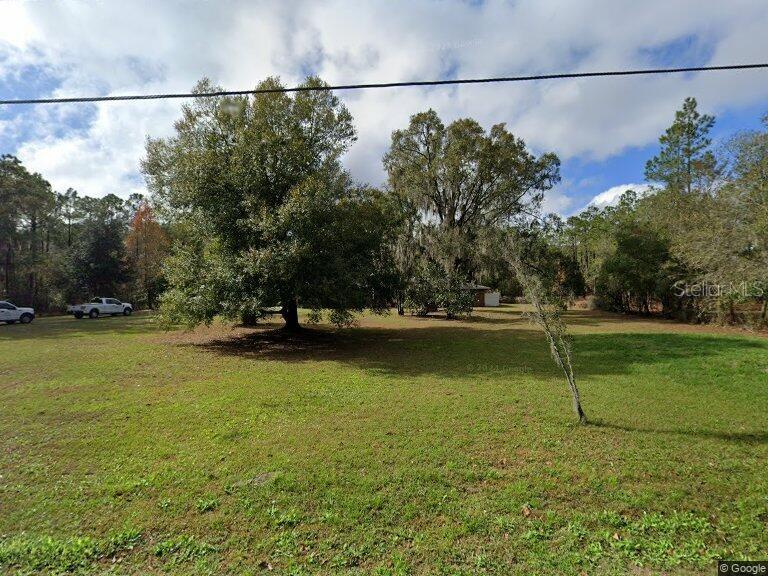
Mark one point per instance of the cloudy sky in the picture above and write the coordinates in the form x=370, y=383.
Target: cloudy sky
x=603, y=129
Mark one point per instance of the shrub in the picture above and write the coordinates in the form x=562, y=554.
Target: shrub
x=433, y=289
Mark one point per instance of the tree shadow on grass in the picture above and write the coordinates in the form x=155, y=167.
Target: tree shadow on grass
x=488, y=355
x=598, y=318
x=507, y=313
x=475, y=318
x=456, y=351
x=739, y=437
x=486, y=319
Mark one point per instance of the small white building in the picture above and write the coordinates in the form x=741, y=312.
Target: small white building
x=485, y=296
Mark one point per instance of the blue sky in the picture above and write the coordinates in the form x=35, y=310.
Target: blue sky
x=588, y=178
x=603, y=130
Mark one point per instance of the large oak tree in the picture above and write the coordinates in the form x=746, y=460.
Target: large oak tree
x=464, y=177
x=267, y=215
x=458, y=183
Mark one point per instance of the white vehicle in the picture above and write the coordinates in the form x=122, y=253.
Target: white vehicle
x=11, y=314
x=101, y=307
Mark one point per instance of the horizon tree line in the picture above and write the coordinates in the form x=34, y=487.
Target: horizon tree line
x=250, y=208
x=59, y=247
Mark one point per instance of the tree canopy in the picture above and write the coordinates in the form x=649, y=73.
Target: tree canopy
x=684, y=160
x=463, y=177
x=270, y=218
x=456, y=185
x=696, y=246
x=251, y=201
x=60, y=247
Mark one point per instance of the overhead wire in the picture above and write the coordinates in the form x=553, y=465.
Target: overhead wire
x=377, y=85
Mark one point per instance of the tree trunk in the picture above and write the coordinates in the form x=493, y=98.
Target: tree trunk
x=248, y=319
x=8, y=270
x=32, y=284
x=577, y=402
x=290, y=314
x=563, y=359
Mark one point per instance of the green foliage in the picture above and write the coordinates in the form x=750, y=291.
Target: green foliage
x=268, y=215
x=724, y=237
x=420, y=293
x=684, y=161
x=694, y=248
x=452, y=295
x=588, y=236
x=26, y=206
x=328, y=240
x=431, y=288
x=458, y=186
x=57, y=248
x=202, y=282
x=182, y=549
x=463, y=176
x=634, y=277
x=97, y=260
x=546, y=255
x=56, y=556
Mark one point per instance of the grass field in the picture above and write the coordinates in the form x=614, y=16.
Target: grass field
x=403, y=446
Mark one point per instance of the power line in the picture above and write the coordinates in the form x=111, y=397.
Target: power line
x=382, y=85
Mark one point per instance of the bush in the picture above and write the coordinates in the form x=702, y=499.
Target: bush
x=433, y=289
x=420, y=295
x=454, y=296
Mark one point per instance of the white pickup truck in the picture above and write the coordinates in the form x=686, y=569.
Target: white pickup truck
x=101, y=306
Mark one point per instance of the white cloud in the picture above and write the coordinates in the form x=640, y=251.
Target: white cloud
x=557, y=200
x=16, y=26
x=144, y=46
x=104, y=158
x=611, y=196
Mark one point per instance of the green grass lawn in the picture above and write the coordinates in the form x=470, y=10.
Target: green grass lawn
x=403, y=446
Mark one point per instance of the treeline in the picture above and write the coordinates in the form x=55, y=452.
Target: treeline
x=57, y=248
x=255, y=211
x=270, y=217
x=695, y=247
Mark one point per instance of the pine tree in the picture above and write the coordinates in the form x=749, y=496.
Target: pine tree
x=685, y=160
